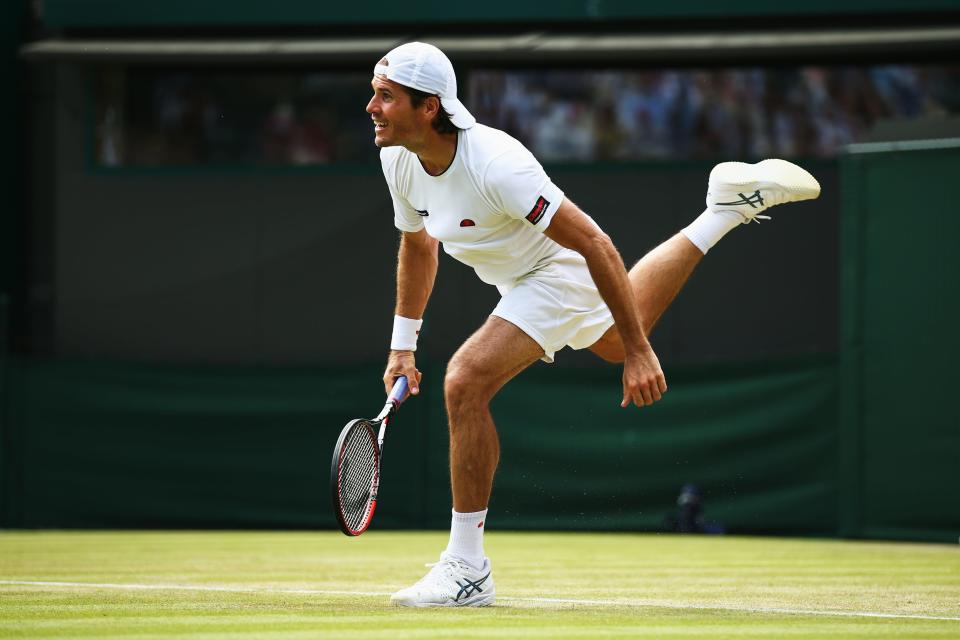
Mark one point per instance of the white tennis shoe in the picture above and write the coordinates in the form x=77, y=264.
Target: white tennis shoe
x=450, y=583
x=748, y=189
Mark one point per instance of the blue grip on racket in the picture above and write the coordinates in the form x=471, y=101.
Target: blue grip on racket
x=399, y=392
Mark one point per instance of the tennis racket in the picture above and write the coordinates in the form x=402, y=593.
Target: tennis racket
x=355, y=468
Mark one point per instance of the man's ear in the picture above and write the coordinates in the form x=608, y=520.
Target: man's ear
x=432, y=105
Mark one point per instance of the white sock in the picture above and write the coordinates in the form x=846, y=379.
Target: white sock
x=709, y=227
x=466, y=537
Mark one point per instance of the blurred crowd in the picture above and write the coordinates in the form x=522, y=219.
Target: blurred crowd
x=197, y=118
x=744, y=113
x=185, y=119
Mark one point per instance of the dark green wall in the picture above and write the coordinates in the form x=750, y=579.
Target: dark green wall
x=105, y=445
x=901, y=293
x=114, y=13
x=123, y=445
x=237, y=268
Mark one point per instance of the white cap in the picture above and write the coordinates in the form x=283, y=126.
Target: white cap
x=422, y=66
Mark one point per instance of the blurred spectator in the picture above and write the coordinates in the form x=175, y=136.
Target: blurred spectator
x=278, y=132
x=745, y=113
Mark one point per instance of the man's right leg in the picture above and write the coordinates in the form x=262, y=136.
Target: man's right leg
x=492, y=356
x=478, y=370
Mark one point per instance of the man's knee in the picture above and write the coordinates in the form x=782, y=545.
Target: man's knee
x=454, y=382
x=464, y=386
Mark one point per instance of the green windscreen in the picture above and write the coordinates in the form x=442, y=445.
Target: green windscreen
x=110, y=445
x=901, y=289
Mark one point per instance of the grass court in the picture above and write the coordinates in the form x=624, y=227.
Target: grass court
x=292, y=585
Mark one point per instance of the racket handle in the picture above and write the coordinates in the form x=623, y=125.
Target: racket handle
x=399, y=392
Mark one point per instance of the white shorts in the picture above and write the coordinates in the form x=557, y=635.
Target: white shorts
x=557, y=305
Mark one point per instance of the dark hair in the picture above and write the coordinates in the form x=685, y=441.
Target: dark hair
x=441, y=122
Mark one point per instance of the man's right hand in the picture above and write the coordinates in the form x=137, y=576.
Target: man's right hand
x=402, y=363
x=643, y=379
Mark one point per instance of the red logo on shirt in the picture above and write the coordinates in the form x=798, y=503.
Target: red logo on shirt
x=538, y=210
x=467, y=222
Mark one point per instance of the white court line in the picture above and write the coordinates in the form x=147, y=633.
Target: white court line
x=602, y=603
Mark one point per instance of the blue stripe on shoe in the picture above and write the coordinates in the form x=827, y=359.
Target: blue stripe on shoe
x=467, y=587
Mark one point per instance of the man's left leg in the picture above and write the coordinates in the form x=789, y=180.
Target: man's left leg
x=493, y=355
x=737, y=194
x=656, y=280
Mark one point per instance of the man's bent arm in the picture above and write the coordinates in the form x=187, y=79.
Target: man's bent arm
x=570, y=227
x=416, y=272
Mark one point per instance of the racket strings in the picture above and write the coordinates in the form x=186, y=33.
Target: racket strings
x=358, y=467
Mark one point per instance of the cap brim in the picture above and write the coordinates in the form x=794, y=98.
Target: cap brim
x=459, y=116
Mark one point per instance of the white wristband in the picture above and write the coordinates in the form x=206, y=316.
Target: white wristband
x=405, y=332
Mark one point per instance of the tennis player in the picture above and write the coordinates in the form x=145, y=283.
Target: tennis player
x=563, y=283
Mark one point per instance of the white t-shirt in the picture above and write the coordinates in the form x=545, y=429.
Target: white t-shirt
x=489, y=208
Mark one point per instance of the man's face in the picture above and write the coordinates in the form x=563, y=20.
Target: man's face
x=395, y=120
